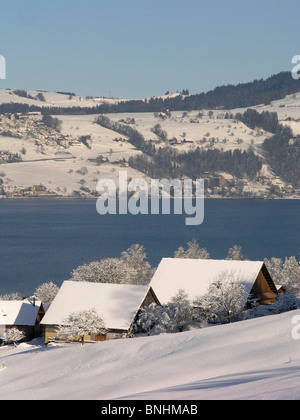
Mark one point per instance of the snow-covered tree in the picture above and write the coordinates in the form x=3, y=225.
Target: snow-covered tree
x=80, y=323
x=13, y=335
x=291, y=275
x=46, y=292
x=235, y=253
x=130, y=268
x=285, y=273
x=107, y=270
x=285, y=302
x=274, y=266
x=193, y=251
x=135, y=256
x=154, y=318
x=175, y=316
x=180, y=312
x=226, y=298
x=10, y=296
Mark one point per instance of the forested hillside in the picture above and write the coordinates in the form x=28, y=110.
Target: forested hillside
x=283, y=154
x=282, y=150
x=165, y=162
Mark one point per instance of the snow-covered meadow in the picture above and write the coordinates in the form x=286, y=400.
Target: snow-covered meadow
x=253, y=359
x=59, y=169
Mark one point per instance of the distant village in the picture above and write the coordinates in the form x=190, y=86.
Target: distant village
x=27, y=126
x=30, y=127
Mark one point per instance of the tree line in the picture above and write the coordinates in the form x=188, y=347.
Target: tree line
x=227, y=96
x=266, y=120
x=282, y=150
x=283, y=154
x=167, y=163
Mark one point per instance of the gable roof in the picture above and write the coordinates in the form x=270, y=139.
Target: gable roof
x=19, y=312
x=195, y=276
x=117, y=304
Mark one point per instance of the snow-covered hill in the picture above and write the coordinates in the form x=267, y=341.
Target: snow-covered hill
x=253, y=359
x=57, y=167
x=53, y=99
x=63, y=100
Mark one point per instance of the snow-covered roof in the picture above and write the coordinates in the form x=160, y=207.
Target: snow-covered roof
x=19, y=312
x=195, y=276
x=117, y=304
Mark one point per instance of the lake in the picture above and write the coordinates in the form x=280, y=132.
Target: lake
x=44, y=240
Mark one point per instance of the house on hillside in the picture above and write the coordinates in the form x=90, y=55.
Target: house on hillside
x=215, y=181
x=117, y=304
x=195, y=276
x=25, y=315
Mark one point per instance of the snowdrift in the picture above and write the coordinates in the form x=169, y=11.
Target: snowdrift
x=253, y=359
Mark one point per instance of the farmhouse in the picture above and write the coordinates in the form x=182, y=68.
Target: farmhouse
x=117, y=304
x=216, y=181
x=195, y=276
x=22, y=314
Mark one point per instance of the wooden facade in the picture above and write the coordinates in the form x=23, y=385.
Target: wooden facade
x=24, y=315
x=264, y=290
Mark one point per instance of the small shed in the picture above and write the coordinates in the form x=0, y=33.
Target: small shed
x=195, y=276
x=117, y=304
x=25, y=315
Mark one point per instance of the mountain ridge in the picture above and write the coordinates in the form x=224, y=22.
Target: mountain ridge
x=241, y=95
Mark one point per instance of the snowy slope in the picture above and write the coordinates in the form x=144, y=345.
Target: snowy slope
x=53, y=99
x=61, y=175
x=253, y=359
x=58, y=175
x=63, y=100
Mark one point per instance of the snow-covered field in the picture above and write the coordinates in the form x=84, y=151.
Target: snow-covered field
x=253, y=359
x=61, y=174
x=182, y=127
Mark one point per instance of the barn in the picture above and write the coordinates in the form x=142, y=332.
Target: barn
x=195, y=276
x=25, y=315
x=117, y=304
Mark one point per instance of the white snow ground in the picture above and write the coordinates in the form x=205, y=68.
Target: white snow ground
x=253, y=359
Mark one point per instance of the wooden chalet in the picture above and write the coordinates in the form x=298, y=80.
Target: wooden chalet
x=195, y=276
x=25, y=315
x=117, y=304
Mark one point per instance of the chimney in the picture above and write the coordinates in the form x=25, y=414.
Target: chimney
x=33, y=301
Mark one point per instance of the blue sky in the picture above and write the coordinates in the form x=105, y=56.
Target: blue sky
x=142, y=48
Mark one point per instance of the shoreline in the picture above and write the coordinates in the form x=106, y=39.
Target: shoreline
x=49, y=197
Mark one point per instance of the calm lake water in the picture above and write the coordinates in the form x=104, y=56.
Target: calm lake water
x=44, y=240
